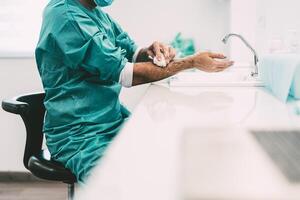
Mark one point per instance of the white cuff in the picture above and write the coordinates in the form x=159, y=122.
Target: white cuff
x=126, y=76
x=135, y=55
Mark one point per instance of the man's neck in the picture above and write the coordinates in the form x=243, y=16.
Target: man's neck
x=90, y=4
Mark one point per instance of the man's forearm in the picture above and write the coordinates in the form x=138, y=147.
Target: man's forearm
x=147, y=72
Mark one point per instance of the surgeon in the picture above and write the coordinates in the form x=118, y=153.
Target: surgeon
x=84, y=58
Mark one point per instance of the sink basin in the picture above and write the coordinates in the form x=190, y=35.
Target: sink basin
x=230, y=78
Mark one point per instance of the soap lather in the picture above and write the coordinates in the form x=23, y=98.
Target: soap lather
x=162, y=63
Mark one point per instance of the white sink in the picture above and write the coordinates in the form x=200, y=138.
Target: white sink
x=230, y=78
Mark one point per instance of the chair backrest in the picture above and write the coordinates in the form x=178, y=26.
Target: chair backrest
x=31, y=109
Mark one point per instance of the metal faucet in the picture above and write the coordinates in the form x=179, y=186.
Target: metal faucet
x=225, y=40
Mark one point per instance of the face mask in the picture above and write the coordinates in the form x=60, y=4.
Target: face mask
x=103, y=3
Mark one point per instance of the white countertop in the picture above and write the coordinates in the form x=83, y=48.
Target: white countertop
x=144, y=161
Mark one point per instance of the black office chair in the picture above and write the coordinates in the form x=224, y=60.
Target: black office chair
x=32, y=110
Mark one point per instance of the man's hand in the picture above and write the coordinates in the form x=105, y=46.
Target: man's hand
x=158, y=50
x=207, y=62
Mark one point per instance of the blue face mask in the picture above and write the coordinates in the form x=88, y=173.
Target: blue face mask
x=103, y=3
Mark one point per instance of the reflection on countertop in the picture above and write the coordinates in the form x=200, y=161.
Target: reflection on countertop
x=243, y=106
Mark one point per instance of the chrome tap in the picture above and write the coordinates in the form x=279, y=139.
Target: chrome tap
x=225, y=40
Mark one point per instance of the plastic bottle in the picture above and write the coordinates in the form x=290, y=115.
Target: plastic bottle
x=292, y=41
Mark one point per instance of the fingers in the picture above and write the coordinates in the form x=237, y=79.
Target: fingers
x=165, y=50
x=172, y=53
x=222, y=65
x=217, y=55
x=157, y=51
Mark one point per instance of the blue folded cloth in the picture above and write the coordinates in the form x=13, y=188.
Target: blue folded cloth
x=297, y=109
x=277, y=72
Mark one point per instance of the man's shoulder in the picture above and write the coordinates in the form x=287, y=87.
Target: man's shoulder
x=62, y=11
x=65, y=14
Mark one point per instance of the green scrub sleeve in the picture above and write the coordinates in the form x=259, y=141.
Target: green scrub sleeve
x=103, y=58
x=123, y=40
x=94, y=53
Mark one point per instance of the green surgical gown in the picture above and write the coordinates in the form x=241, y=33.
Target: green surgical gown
x=80, y=55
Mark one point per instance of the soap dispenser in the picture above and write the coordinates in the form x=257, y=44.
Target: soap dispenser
x=292, y=42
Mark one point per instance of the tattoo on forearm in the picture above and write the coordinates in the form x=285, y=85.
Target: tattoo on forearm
x=148, y=72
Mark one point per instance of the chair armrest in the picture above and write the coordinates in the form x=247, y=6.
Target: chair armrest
x=15, y=107
x=43, y=167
